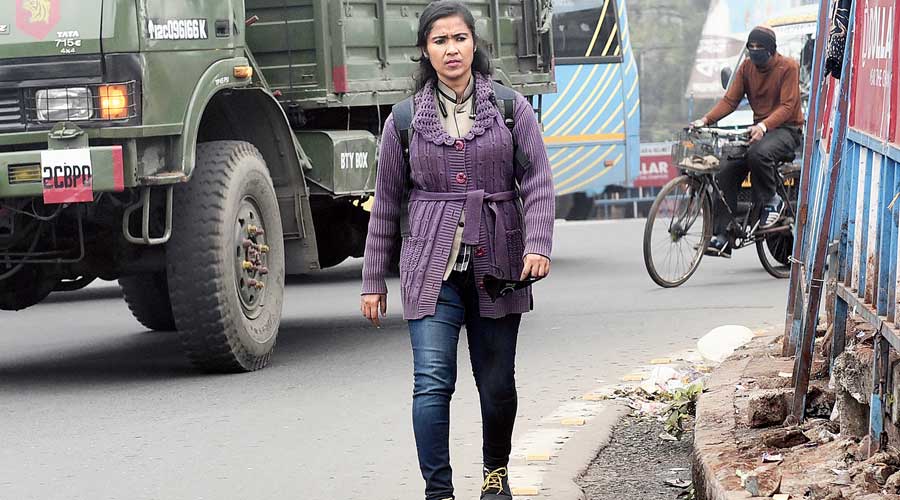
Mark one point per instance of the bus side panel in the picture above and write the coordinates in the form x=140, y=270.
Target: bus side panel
x=592, y=124
x=632, y=96
x=584, y=128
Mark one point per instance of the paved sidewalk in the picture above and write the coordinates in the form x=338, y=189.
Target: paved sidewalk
x=733, y=460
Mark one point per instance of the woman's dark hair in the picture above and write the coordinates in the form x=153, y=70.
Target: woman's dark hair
x=432, y=13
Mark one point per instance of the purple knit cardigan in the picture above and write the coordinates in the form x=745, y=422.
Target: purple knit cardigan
x=475, y=174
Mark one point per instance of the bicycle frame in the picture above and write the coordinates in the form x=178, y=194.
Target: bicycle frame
x=741, y=232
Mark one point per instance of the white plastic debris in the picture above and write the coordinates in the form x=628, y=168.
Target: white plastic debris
x=675, y=385
x=649, y=408
x=665, y=436
x=835, y=413
x=677, y=483
x=658, y=379
x=721, y=342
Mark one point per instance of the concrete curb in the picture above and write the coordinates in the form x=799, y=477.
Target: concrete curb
x=577, y=455
x=714, y=430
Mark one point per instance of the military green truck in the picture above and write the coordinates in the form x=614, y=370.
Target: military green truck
x=199, y=152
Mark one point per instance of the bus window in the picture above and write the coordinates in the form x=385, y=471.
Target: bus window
x=586, y=31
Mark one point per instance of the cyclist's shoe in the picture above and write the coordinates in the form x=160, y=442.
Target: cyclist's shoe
x=719, y=247
x=771, y=213
x=496, y=484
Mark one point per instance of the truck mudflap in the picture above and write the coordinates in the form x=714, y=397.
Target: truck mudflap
x=62, y=175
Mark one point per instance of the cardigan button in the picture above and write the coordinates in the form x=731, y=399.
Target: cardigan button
x=460, y=145
x=480, y=252
x=461, y=178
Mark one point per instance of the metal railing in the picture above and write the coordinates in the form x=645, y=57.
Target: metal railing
x=848, y=224
x=632, y=203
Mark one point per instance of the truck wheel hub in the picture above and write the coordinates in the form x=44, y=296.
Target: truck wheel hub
x=251, y=257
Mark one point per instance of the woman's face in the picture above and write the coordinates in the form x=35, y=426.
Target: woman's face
x=451, y=49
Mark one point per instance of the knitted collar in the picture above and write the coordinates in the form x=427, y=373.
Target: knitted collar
x=427, y=123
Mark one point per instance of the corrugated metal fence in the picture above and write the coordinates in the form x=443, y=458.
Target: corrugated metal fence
x=849, y=211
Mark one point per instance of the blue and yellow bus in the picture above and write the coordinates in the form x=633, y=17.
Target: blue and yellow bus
x=592, y=124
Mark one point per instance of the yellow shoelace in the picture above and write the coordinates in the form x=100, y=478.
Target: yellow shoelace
x=494, y=480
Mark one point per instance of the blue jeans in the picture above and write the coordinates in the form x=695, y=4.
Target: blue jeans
x=492, y=348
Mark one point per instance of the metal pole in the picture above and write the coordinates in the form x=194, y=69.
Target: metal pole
x=495, y=7
x=383, y=39
x=803, y=363
x=691, y=107
x=878, y=404
x=791, y=328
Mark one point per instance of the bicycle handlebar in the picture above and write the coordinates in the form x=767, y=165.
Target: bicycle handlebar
x=723, y=132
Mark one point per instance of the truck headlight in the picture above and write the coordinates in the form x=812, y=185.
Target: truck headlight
x=69, y=104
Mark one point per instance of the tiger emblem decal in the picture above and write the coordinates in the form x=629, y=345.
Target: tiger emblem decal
x=37, y=17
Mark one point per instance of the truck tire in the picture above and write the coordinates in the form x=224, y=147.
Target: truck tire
x=28, y=287
x=336, y=246
x=147, y=296
x=225, y=261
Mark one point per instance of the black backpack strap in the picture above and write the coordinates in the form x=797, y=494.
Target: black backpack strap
x=403, y=116
x=506, y=103
x=403, y=113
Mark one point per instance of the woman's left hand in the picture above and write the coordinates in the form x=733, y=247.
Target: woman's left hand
x=536, y=265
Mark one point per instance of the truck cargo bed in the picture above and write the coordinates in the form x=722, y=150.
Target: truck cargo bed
x=359, y=53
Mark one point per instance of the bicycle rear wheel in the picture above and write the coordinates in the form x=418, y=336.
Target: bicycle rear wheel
x=775, y=253
x=677, y=232
x=777, y=246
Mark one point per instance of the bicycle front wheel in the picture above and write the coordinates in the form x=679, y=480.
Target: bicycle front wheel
x=677, y=232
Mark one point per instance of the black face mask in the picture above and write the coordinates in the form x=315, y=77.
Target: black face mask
x=760, y=57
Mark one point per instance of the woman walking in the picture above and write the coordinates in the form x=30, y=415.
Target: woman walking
x=479, y=196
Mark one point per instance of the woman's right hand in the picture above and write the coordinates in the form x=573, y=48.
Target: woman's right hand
x=373, y=304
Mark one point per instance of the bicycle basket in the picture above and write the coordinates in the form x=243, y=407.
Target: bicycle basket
x=689, y=146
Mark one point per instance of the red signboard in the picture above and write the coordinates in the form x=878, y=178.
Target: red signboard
x=873, y=49
x=830, y=99
x=895, y=127
x=657, y=165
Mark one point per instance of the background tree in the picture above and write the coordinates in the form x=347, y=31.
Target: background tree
x=665, y=35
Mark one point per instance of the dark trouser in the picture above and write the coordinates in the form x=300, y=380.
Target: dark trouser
x=762, y=160
x=492, y=348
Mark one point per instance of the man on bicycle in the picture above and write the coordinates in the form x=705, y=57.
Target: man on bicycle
x=771, y=83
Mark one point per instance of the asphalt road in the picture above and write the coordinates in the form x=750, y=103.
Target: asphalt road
x=94, y=407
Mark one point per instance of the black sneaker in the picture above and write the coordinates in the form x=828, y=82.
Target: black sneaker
x=496, y=484
x=718, y=247
x=771, y=213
